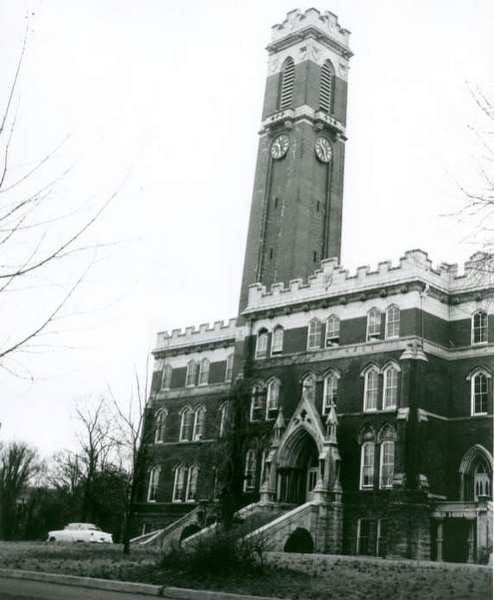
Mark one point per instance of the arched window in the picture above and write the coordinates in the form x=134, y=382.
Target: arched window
x=199, y=419
x=186, y=424
x=476, y=474
x=277, y=341
x=257, y=402
x=367, y=465
x=387, y=464
x=250, y=470
x=330, y=391
x=229, y=368
x=204, y=372
x=479, y=327
x=161, y=416
x=326, y=91
x=390, y=387
x=392, y=321
x=191, y=490
x=166, y=377
x=154, y=476
x=191, y=375
x=262, y=344
x=479, y=391
x=332, y=330
x=373, y=324
x=314, y=335
x=223, y=418
x=286, y=84
x=179, y=484
x=371, y=388
x=272, y=399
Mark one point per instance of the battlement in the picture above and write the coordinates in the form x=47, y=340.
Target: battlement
x=205, y=333
x=298, y=20
x=333, y=280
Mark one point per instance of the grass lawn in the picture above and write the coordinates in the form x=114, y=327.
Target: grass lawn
x=339, y=578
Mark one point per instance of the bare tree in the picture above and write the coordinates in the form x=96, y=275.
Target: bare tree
x=19, y=464
x=38, y=240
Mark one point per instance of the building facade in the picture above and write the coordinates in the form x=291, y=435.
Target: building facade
x=367, y=397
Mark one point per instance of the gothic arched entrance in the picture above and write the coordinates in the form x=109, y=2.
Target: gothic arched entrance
x=298, y=468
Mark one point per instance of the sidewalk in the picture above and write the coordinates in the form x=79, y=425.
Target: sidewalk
x=143, y=589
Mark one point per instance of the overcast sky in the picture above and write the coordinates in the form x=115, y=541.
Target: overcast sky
x=164, y=97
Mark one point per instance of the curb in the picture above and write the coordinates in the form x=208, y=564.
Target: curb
x=128, y=587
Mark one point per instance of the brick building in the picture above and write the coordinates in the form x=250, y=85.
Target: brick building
x=368, y=412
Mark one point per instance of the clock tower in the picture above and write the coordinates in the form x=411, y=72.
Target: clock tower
x=295, y=218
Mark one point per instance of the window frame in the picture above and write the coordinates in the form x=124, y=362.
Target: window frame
x=160, y=426
x=327, y=399
x=186, y=424
x=391, y=368
x=392, y=322
x=334, y=339
x=277, y=340
x=257, y=402
x=192, y=473
x=314, y=338
x=199, y=423
x=250, y=470
x=166, y=377
x=223, y=418
x=374, y=324
x=191, y=374
x=482, y=328
x=478, y=373
x=204, y=368
x=326, y=95
x=153, y=484
x=287, y=84
x=382, y=455
x=272, y=411
x=370, y=467
x=262, y=344
x=229, y=367
x=374, y=372
x=180, y=476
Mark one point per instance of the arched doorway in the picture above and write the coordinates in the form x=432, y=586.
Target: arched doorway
x=298, y=469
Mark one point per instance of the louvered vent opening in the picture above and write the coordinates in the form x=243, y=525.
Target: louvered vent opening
x=326, y=87
x=287, y=79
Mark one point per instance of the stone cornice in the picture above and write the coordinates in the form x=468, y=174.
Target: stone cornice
x=310, y=32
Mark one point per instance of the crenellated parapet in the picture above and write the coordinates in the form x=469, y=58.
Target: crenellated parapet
x=220, y=332
x=301, y=23
x=333, y=281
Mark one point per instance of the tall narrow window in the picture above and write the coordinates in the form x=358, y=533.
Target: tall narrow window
x=479, y=393
x=286, y=84
x=191, y=375
x=277, y=341
x=387, y=461
x=262, y=344
x=373, y=324
x=314, y=335
x=167, y=377
x=191, y=491
x=390, y=387
x=179, y=484
x=272, y=399
x=332, y=330
x=161, y=416
x=229, y=368
x=199, y=419
x=479, y=327
x=392, y=321
x=367, y=465
x=326, y=91
x=204, y=372
x=250, y=470
x=154, y=476
x=330, y=392
x=257, y=402
x=371, y=388
x=186, y=424
x=223, y=418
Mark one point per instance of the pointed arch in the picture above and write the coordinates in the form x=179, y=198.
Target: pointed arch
x=287, y=79
x=326, y=88
x=476, y=473
x=160, y=431
x=386, y=433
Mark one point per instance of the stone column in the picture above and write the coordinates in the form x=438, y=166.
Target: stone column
x=439, y=539
x=471, y=539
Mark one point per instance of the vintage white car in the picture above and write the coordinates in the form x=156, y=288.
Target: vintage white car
x=80, y=532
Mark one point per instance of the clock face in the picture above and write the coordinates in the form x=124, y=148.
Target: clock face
x=323, y=150
x=280, y=146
